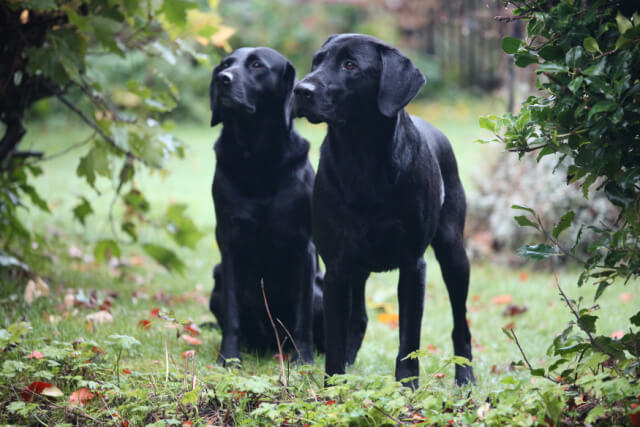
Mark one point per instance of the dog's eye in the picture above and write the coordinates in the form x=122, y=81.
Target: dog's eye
x=349, y=65
x=256, y=64
x=224, y=65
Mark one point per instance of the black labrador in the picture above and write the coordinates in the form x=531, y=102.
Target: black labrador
x=262, y=196
x=387, y=186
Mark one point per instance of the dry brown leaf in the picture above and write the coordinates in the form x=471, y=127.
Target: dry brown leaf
x=100, y=317
x=35, y=289
x=501, y=299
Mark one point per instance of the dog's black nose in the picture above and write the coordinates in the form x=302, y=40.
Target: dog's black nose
x=225, y=78
x=305, y=90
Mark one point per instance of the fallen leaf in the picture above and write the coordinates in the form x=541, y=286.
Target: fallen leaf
x=476, y=298
x=433, y=349
x=187, y=423
x=508, y=326
x=35, y=355
x=439, y=375
x=97, y=350
x=390, y=319
x=126, y=371
x=523, y=276
x=634, y=418
x=501, y=299
x=625, y=296
x=75, y=252
x=34, y=387
x=514, y=310
x=189, y=353
x=154, y=312
x=285, y=356
x=144, y=323
x=52, y=391
x=330, y=402
x=100, y=317
x=80, y=396
x=192, y=328
x=616, y=335
x=191, y=340
x=35, y=289
x=69, y=300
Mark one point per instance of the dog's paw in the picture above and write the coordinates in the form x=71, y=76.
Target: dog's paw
x=464, y=376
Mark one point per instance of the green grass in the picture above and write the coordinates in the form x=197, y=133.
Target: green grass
x=188, y=181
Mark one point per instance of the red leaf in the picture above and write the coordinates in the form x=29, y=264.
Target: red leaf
x=154, y=312
x=191, y=340
x=189, y=353
x=625, y=297
x=433, y=349
x=390, y=319
x=192, y=328
x=501, y=299
x=508, y=326
x=635, y=418
x=285, y=356
x=330, y=402
x=440, y=376
x=80, y=396
x=126, y=371
x=34, y=387
x=97, y=350
x=144, y=323
x=524, y=276
x=35, y=355
x=514, y=310
x=187, y=423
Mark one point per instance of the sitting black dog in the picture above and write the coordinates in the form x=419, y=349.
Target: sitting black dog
x=262, y=196
x=387, y=187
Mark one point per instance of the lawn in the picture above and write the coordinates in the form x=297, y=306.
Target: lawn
x=137, y=286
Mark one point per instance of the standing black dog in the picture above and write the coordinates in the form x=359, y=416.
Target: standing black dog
x=262, y=196
x=387, y=187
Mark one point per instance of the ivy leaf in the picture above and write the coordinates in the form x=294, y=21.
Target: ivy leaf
x=563, y=224
x=105, y=249
x=539, y=251
x=82, y=210
x=165, y=257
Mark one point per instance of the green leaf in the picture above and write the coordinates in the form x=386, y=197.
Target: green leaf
x=82, y=210
x=552, y=67
x=176, y=10
x=601, y=287
x=524, y=59
x=563, y=224
x=165, y=257
x=105, y=249
x=181, y=228
x=575, y=84
x=522, y=208
x=105, y=30
x=123, y=342
x=551, y=52
x=486, y=123
x=539, y=251
x=510, y=44
x=136, y=201
x=624, y=23
x=588, y=322
x=635, y=319
x=591, y=45
x=601, y=107
x=523, y=221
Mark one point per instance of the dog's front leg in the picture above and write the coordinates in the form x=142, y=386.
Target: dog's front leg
x=337, y=312
x=229, y=349
x=411, y=288
x=303, y=332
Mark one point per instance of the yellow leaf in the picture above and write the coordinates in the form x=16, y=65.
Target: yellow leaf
x=221, y=37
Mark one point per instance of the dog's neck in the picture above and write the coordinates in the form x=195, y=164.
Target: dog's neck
x=249, y=137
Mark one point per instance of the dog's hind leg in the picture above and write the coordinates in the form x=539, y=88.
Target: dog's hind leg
x=454, y=264
x=358, y=321
x=411, y=288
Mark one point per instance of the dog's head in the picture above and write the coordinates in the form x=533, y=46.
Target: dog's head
x=353, y=74
x=252, y=81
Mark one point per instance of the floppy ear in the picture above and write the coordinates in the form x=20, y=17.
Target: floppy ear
x=331, y=37
x=288, y=81
x=400, y=81
x=213, y=101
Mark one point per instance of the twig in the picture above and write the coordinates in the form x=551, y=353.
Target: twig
x=291, y=338
x=391, y=417
x=275, y=331
x=528, y=148
x=585, y=329
x=512, y=332
x=166, y=360
x=66, y=150
x=511, y=18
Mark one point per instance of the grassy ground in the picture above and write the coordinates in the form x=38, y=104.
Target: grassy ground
x=142, y=286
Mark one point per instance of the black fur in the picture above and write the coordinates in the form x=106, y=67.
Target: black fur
x=262, y=196
x=387, y=187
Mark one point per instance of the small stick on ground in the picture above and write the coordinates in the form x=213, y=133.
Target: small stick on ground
x=283, y=377
x=166, y=360
x=391, y=417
